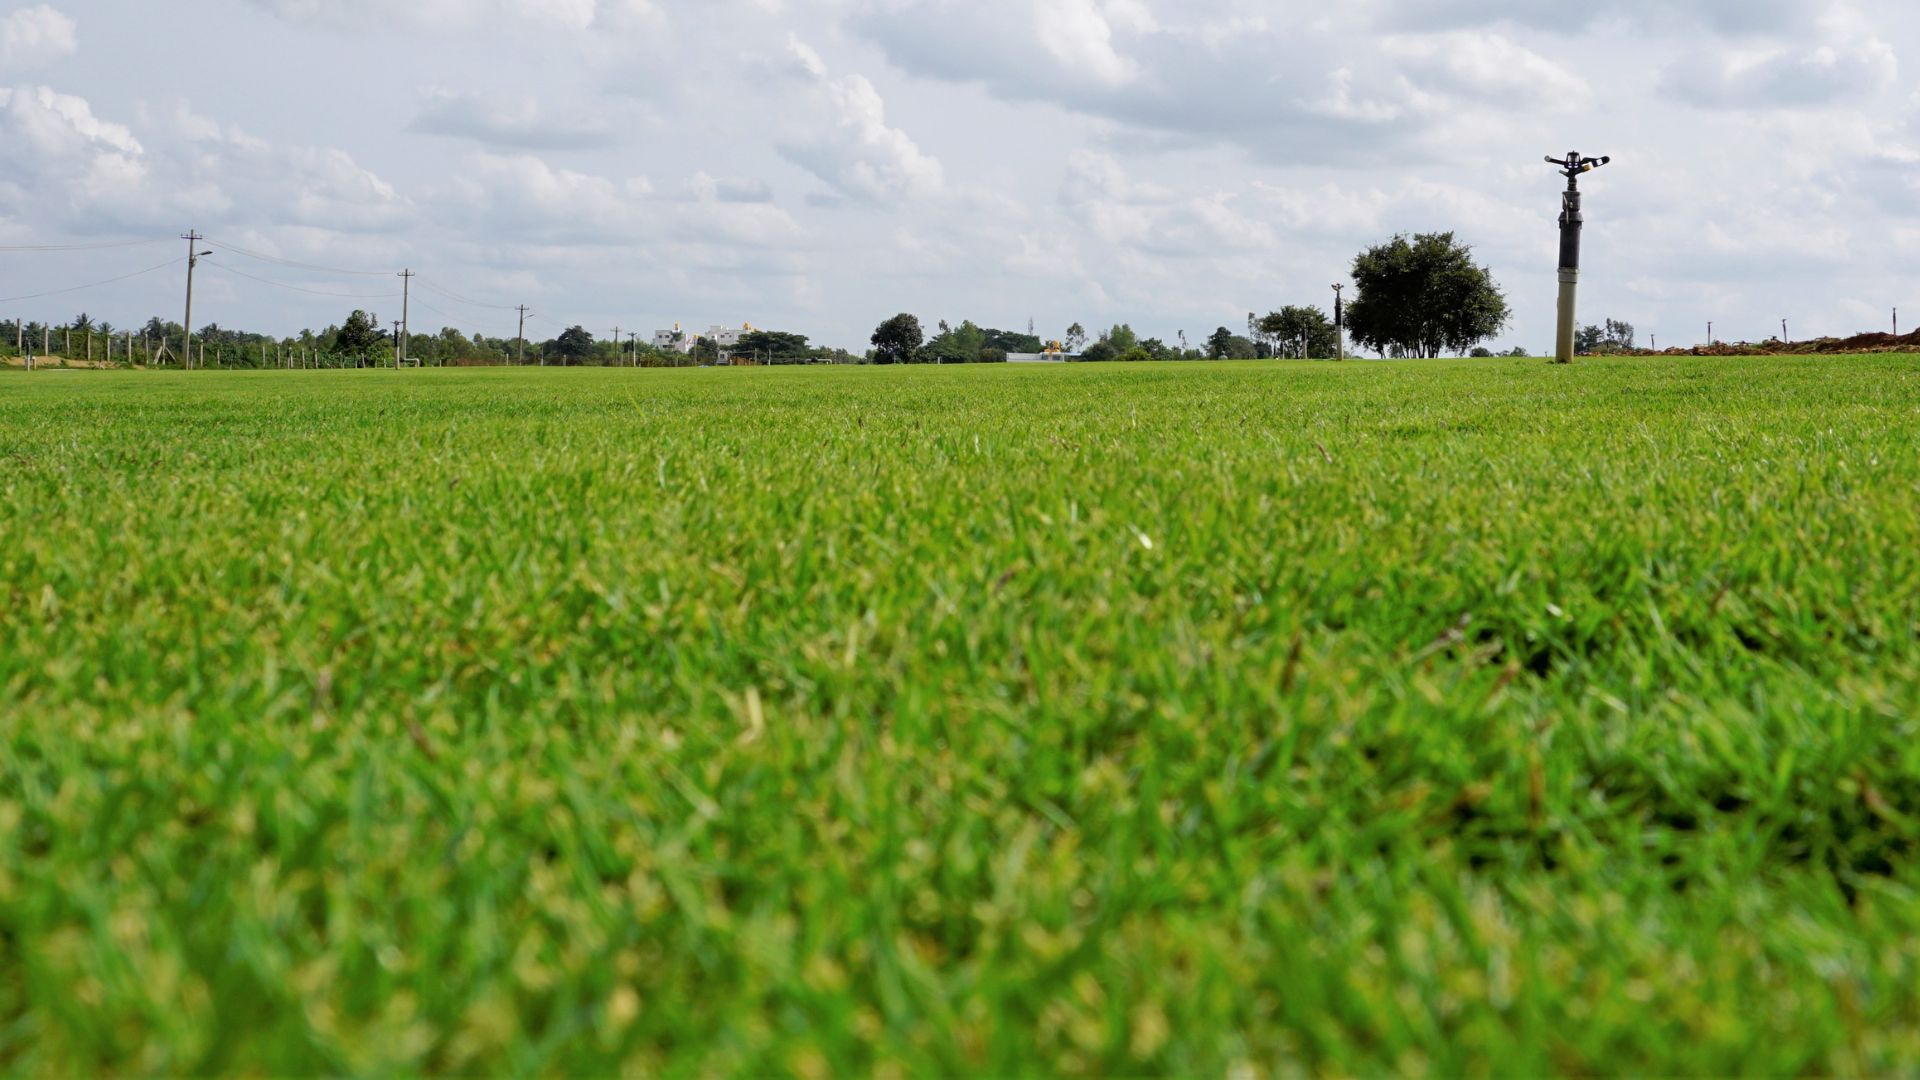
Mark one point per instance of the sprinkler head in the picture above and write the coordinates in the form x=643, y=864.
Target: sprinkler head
x=1573, y=164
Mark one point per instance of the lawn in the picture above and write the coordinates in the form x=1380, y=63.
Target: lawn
x=1472, y=717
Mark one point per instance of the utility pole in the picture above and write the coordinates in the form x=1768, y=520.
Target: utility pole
x=1784, y=339
x=1339, y=323
x=520, y=356
x=406, y=298
x=616, y=348
x=1572, y=221
x=193, y=259
x=1709, y=333
x=633, y=346
x=396, y=344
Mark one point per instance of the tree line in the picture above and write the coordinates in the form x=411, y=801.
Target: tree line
x=361, y=340
x=1414, y=297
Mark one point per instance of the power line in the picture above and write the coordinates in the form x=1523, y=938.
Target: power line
x=89, y=285
x=237, y=250
x=298, y=288
x=100, y=246
x=456, y=297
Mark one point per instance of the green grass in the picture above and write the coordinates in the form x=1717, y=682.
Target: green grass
x=1465, y=717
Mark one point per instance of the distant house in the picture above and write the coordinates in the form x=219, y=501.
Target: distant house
x=1040, y=357
x=678, y=340
x=673, y=340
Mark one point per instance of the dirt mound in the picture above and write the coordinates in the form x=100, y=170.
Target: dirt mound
x=1857, y=344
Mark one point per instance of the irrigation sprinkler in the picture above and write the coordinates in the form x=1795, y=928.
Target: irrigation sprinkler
x=1571, y=222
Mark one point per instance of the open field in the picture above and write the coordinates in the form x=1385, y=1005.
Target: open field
x=1470, y=717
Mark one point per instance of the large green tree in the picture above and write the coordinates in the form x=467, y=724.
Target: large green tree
x=898, y=340
x=1423, y=296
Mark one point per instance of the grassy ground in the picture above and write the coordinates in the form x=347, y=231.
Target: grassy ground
x=1469, y=717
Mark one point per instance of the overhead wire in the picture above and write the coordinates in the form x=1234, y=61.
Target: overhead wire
x=91, y=284
x=302, y=289
x=457, y=298
x=102, y=245
x=295, y=263
x=319, y=268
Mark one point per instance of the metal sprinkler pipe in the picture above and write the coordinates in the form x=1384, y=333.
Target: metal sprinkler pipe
x=1572, y=221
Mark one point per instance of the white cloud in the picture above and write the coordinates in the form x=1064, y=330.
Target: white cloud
x=36, y=35
x=842, y=136
x=504, y=122
x=1489, y=68
x=1791, y=78
x=367, y=14
x=1078, y=35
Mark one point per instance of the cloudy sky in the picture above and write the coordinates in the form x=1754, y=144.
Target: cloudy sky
x=817, y=165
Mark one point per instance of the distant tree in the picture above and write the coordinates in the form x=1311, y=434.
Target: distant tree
x=359, y=336
x=1122, y=337
x=1300, y=331
x=1076, y=337
x=774, y=347
x=993, y=354
x=1219, y=344
x=1136, y=355
x=705, y=351
x=572, y=346
x=1481, y=352
x=1158, y=350
x=1613, y=337
x=1100, y=352
x=898, y=340
x=1242, y=348
x=1519, y=351
x=1422, y=296
x=955, y=344
x=1008, y=341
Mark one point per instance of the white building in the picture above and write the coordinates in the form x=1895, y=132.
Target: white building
x=674, y=340
x=678, y=340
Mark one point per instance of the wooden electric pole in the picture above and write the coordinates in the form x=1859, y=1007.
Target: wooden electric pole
x=520, y=353
x=406, y=299
x=193, y=259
